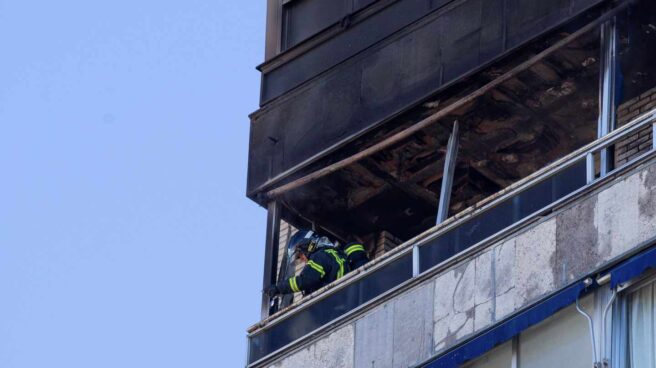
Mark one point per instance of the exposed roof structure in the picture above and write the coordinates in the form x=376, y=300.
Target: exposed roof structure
x=506, y=134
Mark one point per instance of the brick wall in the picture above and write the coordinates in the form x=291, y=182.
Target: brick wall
x=641, y=141
x=384, y=243
x=286, y=232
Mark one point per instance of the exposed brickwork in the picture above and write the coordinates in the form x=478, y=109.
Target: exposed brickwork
x=384, y=243
x=286, y=232
x=641, y=141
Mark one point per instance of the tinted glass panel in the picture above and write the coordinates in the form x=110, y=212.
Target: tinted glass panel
x=503, y=215
x=333, y=306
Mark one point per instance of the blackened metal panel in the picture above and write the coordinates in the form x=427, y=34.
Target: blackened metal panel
x=461, y=38
x=391, y=77
x=359, y=4
x=345, y=45
x=580, y=5
x=523, y=20
x=304, y=18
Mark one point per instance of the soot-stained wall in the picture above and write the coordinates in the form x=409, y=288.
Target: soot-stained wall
x=392, y=76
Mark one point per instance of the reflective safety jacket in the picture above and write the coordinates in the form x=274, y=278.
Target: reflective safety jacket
x=323, y=267
x=356, y=256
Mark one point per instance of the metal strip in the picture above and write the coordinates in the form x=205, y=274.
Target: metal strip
x=415, y=261
x=589, y=167
x=607, y=114
x=447, y=177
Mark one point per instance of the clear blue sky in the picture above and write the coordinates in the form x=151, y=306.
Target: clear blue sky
x=126, y=239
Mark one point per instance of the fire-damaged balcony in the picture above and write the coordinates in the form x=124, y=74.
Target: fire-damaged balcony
x=501, y=156
x=490, y=283
x=342, y=86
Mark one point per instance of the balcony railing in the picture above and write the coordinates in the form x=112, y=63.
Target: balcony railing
x=441, y=246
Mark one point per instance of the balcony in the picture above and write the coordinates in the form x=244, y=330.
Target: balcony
x=567, y=200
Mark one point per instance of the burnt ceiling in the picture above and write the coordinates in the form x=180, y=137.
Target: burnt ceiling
x=510, y=132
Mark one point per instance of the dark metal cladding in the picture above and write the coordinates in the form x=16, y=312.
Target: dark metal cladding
x=344, y=45
x=393, y=75
x=304, y=18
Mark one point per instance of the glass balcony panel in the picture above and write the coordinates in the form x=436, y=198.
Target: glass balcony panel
x=329, y=308
x=503, y=215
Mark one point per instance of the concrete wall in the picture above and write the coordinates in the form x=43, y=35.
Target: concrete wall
x=484, y=289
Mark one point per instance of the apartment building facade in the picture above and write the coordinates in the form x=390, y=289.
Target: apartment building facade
x=495, y=157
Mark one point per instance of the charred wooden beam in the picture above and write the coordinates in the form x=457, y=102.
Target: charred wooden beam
x=411, y=189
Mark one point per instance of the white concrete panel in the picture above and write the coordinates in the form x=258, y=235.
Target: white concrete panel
x=413, y=326
x=617, y=217
x=301, y=358
x=505, y=266
x=535, y=261
x=374, y=338
x=336, y=350
x=484, y=277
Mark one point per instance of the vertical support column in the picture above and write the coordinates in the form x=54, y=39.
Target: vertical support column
x=270, y=253
x=447, y=177
x=589, y=167
x=607, y=98
x=415, y=261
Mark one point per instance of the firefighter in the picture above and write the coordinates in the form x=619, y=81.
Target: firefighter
x=323, y=265
x=356, y=255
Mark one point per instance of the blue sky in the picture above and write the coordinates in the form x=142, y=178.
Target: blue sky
x=126, y=239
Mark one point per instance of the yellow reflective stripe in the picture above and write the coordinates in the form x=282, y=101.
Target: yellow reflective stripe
x=317, y=267
x=293, y=284
x=354, y=248
x=340, y=262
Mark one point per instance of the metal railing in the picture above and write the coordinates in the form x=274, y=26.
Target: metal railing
x=443, y=245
